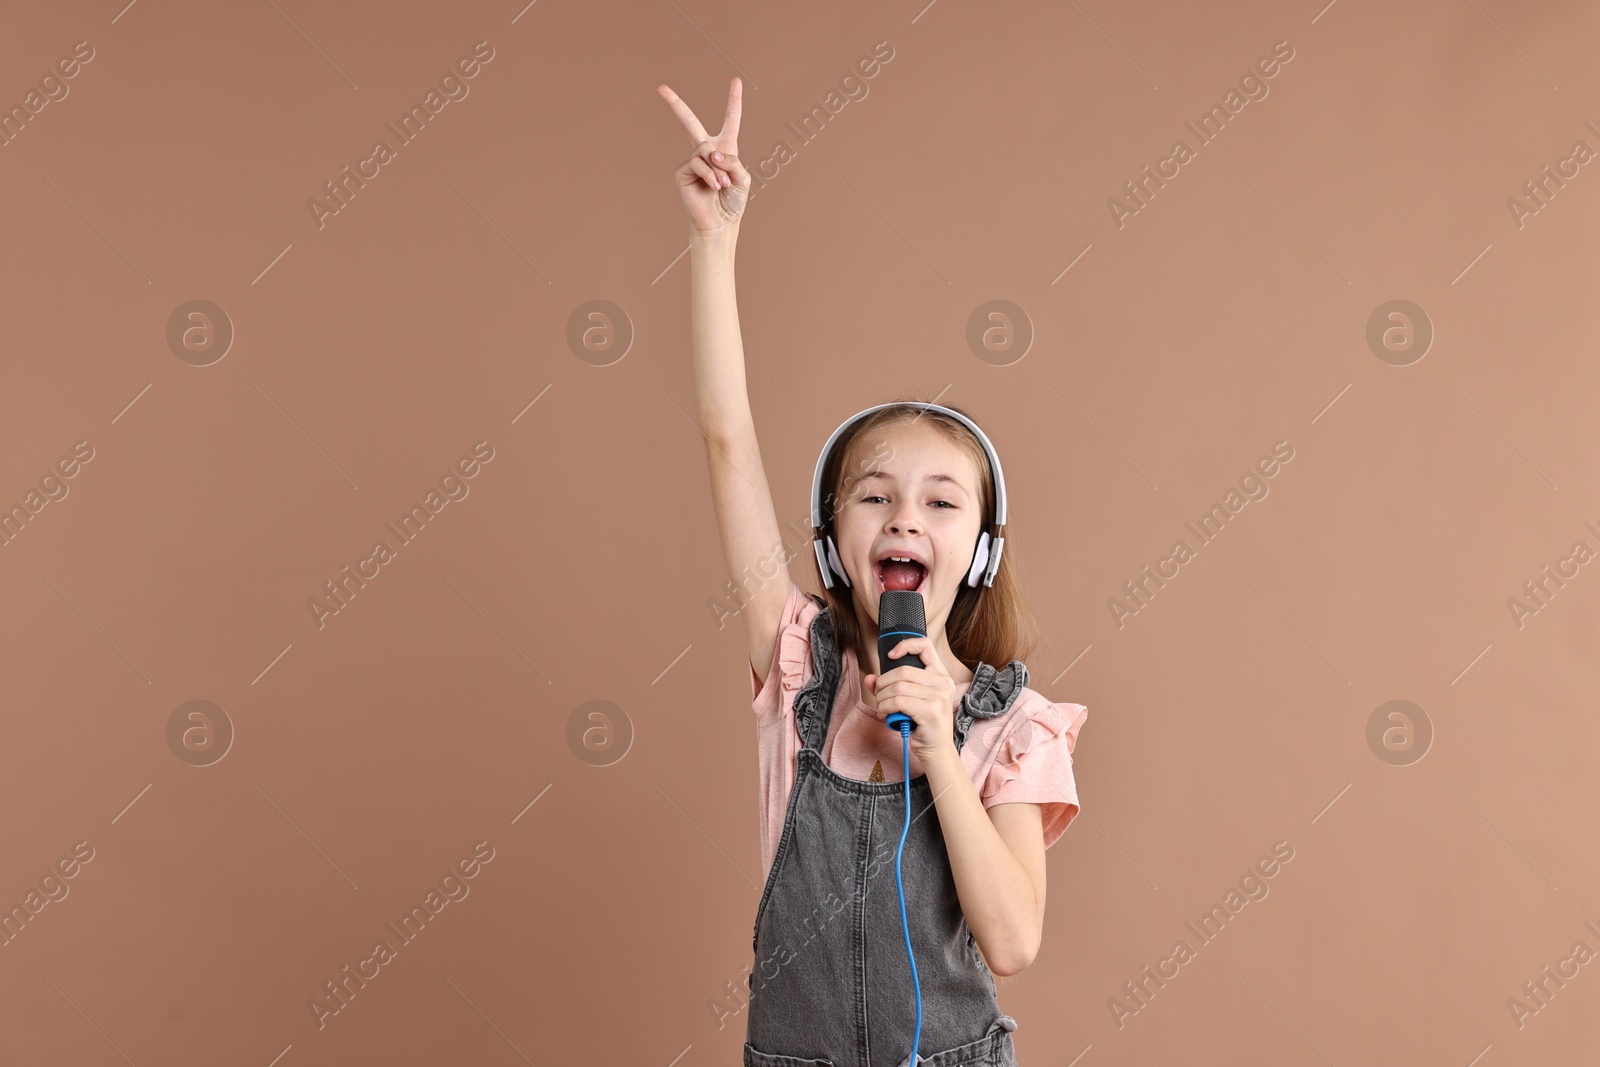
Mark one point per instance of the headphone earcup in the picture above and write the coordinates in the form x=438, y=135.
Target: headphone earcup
x=980, y=560
x=833, y=561
x=997, y=548
x=822, y=563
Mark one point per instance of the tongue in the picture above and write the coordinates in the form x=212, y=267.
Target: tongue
x=901, y=575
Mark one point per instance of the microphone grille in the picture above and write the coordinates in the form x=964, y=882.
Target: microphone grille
x=902, y=610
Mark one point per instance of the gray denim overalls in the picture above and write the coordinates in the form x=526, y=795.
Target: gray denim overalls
x=831, y=983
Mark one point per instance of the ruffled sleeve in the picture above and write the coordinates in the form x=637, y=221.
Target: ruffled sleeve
x=791, y=662
x=1034, y=763
x=777, y=740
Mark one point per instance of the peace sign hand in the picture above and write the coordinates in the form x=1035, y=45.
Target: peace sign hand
x=713, y=183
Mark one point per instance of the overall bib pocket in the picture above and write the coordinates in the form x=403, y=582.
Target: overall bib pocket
x=753, y=1058
x=993, y=1049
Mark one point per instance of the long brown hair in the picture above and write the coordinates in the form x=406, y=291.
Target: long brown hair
x=987, y=624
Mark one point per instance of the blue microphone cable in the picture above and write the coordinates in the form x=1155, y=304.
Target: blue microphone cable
x=903, y=723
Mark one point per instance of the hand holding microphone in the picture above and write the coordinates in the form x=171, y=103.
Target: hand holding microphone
x=925, y=695
x=900, y=615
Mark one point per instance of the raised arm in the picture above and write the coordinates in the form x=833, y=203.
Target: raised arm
x=715, y=187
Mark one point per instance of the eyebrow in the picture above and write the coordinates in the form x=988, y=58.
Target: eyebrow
x=930, y=478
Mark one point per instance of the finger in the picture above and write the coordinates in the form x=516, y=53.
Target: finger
x=729, y=133
x=709, y=153
x=732, y=164
x=704, y=169
x=727, y=160
x=697, y=132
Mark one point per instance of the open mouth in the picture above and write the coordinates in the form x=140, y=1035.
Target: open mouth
x=900, y=573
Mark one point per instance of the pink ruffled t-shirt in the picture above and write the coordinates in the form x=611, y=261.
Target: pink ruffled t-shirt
x=1022, y=756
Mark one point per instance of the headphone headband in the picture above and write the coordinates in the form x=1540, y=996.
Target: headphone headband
x=991, y=559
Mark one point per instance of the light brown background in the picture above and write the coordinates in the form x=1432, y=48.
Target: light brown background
x=1228, y=315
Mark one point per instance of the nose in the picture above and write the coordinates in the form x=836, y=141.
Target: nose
x=903, y=519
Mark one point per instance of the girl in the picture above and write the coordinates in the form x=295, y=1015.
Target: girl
x=989, y=762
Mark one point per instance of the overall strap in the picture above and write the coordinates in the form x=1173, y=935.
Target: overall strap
x=992, y=693
x=814, y=703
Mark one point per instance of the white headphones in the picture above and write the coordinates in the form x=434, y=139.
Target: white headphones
x=986, y=555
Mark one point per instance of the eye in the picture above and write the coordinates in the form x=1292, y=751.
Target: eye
x=947, y=504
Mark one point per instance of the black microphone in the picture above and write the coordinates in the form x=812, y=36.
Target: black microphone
x=900, y=615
